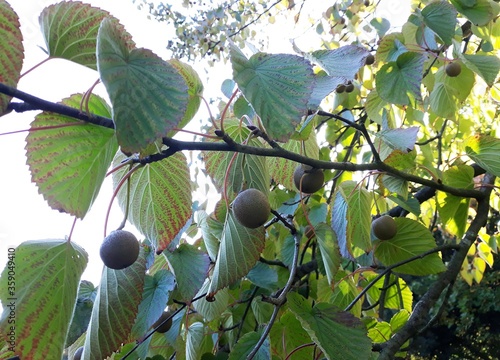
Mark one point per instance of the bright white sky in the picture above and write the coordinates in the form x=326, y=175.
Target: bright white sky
x=24, y=215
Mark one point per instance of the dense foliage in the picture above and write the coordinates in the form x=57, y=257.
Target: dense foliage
x=380, y=118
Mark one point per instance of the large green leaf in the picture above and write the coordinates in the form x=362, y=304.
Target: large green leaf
x=190, y=267
x=211, y=310
x=282, y=169
x=397, y=296
x=148, y=95
x=277, y=86
x=351, y=219
x=398, y=82
x=197, y=341
x=154, y=300
x=195, y=91
x=241, y=170
x=115, y=309
x=479, y=12
x=39, y=305
x=70, y=31
x=412, y=239
x=287, y=334
x=484, y=150
x=246, y=344
x=239, y=250
x=441, y=17
x=68, y=163
x=343, y=62
x=11, y=51
x=486, y=66
x=339, y=334
x=160, y=198
x=391, y=46
x=329, y=250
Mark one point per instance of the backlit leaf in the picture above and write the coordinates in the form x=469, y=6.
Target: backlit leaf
x=453, y=210
x=391, y=46
x=190, y=267
x=351, y=219
x=398, y=82
x=68, y=163
x=210, y=310
x=484, y=150
x=486, y=66
x=441, y=17
x=329, y=250
x=148, y=95
x=479, y=12
x=117, y=302
x=160, y=198
x=239, y=250
x=343, y=62
x=287, y=334
x=46, y=272
x=11, y=51
x=241, y=170
x=277, y=86
x=282, y=169
x=400, y=139
x=70, y=31
x=412, y=239
x=339, y=334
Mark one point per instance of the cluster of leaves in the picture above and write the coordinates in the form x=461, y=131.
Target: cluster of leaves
x=276, y=291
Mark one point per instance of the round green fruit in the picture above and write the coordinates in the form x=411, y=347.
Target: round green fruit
x=251, y=208
x=384, y=227
x=119, y=250
x=78, y=353
x=164, y=327
x=453, y=69
x=312, y=179
x=349, y=88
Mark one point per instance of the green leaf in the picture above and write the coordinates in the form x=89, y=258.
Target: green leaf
x=412, y=239
x=287, y=334
x=484, y=150
x=282, y=169
x=242, y=170
x=80, y=154
x=210, y=310
x=343, y=62
x=486, y=66
x=329, y=250
x=160, y=198
x=449, y=91
x=453, y=210
x=398, y=82
x=351, y=219
x=264, y=276
x=277, y=86
x=194, y=340
x=148, y=95
x=11, y=51
x=246, y=344
x=261, y=310
x=479, y=12
x=83, y=310
x=154, y=300
x=391, y=46
x=441, y=17
x=339, y=334
x=239, y=250
x=400, y=139
x=117, y=302
x=70, y=31
x=195, y=91
x=399, y=319
x=190, y=267
x=43, y=298
x=211, y=231
x=397, y=296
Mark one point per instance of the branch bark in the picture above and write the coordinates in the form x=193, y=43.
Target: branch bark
x=420, y=314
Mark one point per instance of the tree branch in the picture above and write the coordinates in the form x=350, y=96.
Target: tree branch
x=418, y=319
